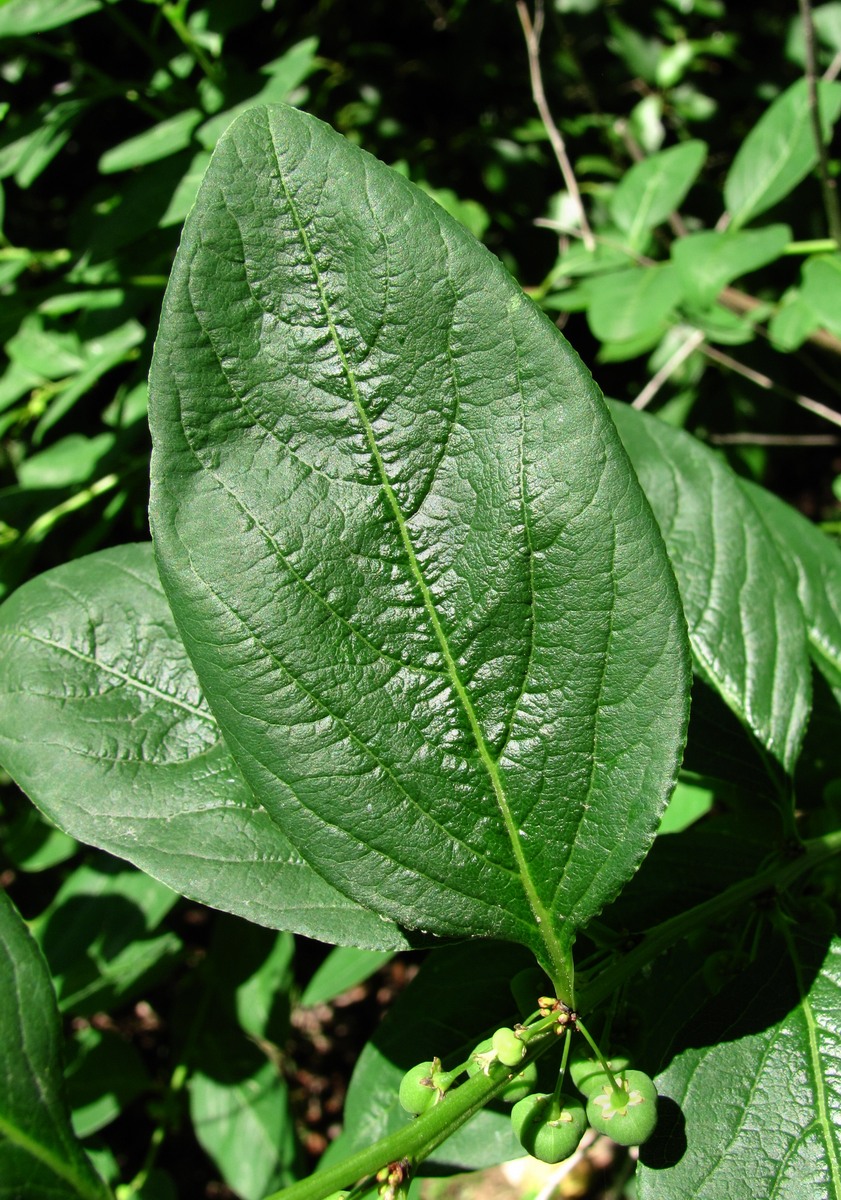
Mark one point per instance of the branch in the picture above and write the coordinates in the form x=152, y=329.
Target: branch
x=765, y=381
x=830, y=195
x=532, y=33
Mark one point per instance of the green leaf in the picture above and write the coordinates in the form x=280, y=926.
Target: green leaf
x=632, y=304
x=136, y=764
x=96, y=936
x=284, y=75
x=239, y=1105
x=652, y=189
x=39, y=1155
x=760, y=1093
x=708, y=261
x=746, y=625
x=408, y=558
x=816, y=565
x=821, y=290
x=792, y=322
x=69, y=462
x=167, y=137
x=343, y=968
x=778, y=152
x=104, y=1074
x=20, y=18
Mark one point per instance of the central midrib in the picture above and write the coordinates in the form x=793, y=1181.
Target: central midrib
x=541, y=914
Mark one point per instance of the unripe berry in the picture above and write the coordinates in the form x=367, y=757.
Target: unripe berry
x=509, y=1048
x=587, y=1072
x=629, y=1115
x=417, y=1091
x=547, y=1128
x=520, y=1086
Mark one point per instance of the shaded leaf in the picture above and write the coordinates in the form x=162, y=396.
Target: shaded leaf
x=343, y=968
x=97, y=936
x=408, y=558
x=39, y=1155
x=104, y=1074
x=758, y=1090
x=732, y=580
x=19, y=18
x=103, y=724
x=163, y=139
x=816, y=565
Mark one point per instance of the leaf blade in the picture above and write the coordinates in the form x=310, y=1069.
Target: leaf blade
x=155, y=785
x=347, y=335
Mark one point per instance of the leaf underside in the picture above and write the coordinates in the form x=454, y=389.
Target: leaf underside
x=419, y=584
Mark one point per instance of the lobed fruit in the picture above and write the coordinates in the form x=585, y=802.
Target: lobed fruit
x=549, y=1127
x=587, y=1073
x=509, y=1048
x=417, y=1091
x=629, y=1115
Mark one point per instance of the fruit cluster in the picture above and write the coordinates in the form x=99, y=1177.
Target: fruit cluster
x=614, y=1099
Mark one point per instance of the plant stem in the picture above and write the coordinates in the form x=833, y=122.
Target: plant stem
x=417, y=1140
x=776, y=877
x=532, y=32
x=828, y=189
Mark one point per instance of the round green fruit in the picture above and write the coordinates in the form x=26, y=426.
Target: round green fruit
x=509, y=1048
x=417, y=1091
x=628, y=1115
x=549, y=1128
x=587, y=1072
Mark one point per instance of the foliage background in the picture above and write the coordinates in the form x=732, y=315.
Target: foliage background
x=110, y=110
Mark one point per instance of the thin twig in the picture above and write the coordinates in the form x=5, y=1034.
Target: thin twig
x=773, y=439
x=687, y=347
x=765, y=381
x=831, y=72
x=828, y=190
x=532, y=33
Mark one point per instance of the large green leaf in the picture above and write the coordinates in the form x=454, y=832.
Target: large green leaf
x=758, y=1089
x=40, y=1158
x=816, y=563
x=746, y=625
x=779, y=151
x=103, y=724
x=420, y=586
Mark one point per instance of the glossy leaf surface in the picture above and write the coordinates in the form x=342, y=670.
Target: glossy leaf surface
x=103, y=724
x=816, y=564
x=760, y=1097
x=40, y=1158
x=746, y=625
x=419, y=584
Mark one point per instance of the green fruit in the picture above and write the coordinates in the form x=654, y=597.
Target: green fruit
x=629, y=1115
x=417, y=1091
x=509, y=1048
x=521, y=1085
x=587, y=1072
x=547, y=1128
